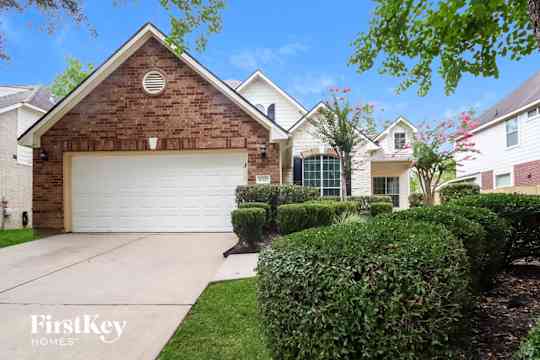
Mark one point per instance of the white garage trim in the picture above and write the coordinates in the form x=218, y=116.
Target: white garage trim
x=109, y=174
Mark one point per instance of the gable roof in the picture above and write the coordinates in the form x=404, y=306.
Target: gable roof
x=315, y=110
x=528, y=94
x=258, y=74
x=400, y=119
x=37, y=97
x=31, y=137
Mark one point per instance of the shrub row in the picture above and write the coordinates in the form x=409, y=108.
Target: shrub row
x=457, y=190
x=296, y=217
x=248, y=224
x=521, y=211
x=416, y=200
x=482, y=232
x=378, y=208
x=389, y=289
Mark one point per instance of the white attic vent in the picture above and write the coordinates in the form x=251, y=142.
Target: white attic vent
x=154, y=82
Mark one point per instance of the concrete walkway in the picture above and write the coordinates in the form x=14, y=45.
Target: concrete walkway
x=237, y=267
x=122, y=295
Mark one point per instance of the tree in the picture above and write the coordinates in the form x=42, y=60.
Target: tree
x=339, y=125
x=186, y=16
x=439, y=150
x=458, y=36
x=70, y=78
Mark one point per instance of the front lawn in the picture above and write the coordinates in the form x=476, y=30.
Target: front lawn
x=221, y=325
x=14, y=237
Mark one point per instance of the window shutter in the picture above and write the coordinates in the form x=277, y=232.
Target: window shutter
x=297, y=171
x=272, y=112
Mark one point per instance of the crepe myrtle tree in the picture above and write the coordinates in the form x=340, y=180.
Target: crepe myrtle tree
x=438, y=150
x=339, y=125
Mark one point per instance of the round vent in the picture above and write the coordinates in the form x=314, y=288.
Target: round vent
x=154, y=82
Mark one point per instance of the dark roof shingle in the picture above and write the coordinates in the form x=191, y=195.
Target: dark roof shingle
x=38, y=96
x=527, y=93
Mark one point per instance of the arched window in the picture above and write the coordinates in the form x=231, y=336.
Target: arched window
x=272, y=112
x=261, y=108
x=323, y=172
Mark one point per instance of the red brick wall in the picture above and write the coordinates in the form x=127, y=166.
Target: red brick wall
x=527, y=173
x=487, y=180
x=119, y=116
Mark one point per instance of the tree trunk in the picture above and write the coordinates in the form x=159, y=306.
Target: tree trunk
x=534, y=13
x=344, y=172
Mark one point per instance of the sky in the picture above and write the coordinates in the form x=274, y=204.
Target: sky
x=302, y=45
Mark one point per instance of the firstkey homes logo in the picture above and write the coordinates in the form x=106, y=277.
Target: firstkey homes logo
x=47, y=330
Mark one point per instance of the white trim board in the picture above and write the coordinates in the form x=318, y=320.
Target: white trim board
x=33, y=135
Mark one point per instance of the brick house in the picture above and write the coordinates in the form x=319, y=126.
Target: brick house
x=153, y=141
x=508, y=138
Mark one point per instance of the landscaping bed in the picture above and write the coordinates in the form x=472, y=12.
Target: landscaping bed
x=17, y=236
x=508, y=311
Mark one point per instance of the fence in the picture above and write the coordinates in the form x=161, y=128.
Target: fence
x=529, y=190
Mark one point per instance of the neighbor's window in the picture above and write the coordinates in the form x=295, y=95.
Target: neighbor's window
x=512, y=136
x=400, y=140
x=533, y=112
x=388, y=186
x=323, y=172
x=503, y=180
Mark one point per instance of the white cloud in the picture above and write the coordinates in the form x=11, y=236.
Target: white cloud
x=256, y=58
x=313, y=84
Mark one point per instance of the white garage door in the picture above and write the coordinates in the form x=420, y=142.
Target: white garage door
x=155, y=193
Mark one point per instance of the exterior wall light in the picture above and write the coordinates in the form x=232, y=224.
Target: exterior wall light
x=263, y=149
x=43, y=155
x=152, y=143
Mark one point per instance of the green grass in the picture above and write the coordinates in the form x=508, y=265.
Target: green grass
x=14, y=237
x=222, y=325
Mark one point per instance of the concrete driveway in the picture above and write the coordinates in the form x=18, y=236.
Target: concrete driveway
x=110, y=296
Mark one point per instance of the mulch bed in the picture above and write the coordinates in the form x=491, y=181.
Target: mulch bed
x=241, y=248
x=508, y=311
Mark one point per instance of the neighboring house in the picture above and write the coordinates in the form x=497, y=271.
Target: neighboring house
x=20, y=108
x=508, y=138
x=153, y=141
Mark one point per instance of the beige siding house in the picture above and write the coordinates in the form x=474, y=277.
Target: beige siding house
x=20, y=108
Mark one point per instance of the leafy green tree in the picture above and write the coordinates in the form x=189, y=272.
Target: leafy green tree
x=74, y=74
x=338, y=125
x=438, y=150
x=457, y=37
x=186, y=16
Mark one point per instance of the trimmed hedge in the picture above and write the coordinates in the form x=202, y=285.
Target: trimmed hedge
x=497, y=233
x=378, y=208
x=457, y=190
x=258, y=205
x=471, y=233
x=275, y=195
x=296, y=217
x=389, y=289
x=248, y=224
x=416, y=200
x=523, y=214
x=530, y=347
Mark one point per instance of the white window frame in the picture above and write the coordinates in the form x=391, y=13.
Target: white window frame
x=537, y=109
x=320, y=157
x=394, y=139
x=516, y=119
x=499, y=173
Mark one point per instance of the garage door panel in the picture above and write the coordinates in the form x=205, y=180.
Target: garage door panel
x=184, y=192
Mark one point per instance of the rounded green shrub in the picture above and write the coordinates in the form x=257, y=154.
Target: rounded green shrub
x=258, y=205
x=389, y=289
x=416, y=200
x=469, y=232
x=530, y=347
x=378, y=208
x=296, y=217
x=457, y=190
x=523, y=214
x=497, y=232
x=248, y=224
